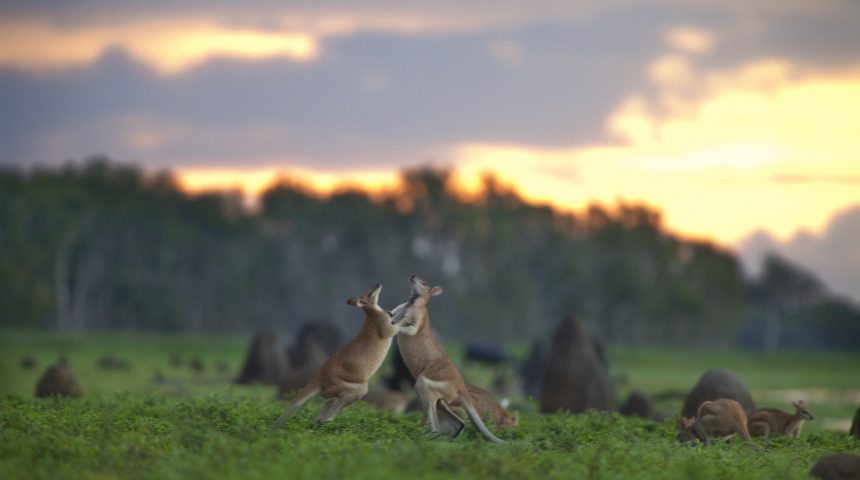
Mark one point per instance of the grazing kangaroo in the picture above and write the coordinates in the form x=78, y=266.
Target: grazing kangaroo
x=342, y=379
x=438, y=381
x=489, y=408
x=764, y=422
x=719, y=418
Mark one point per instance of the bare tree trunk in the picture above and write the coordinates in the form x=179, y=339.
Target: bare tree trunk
x=62, y=279
x=61, y=288
x=771, y=331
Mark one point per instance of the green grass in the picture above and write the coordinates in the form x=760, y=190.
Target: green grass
x=200, y=426
x=217, y=436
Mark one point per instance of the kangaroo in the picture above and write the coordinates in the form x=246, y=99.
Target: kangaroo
x=764, y=422
x=343, y=378
x=437, y=380
x=719, y=418
x=489, y=408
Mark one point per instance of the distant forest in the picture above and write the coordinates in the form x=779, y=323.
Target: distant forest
x=102, y=245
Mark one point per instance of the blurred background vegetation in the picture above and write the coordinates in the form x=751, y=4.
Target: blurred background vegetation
x=102, y=246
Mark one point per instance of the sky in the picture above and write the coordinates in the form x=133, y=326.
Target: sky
x=737, y=119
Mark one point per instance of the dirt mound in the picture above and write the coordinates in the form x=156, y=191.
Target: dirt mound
x=28, y=362
x=854, y=431
x=315, y=341
x=111, y=362
x=266, y=361
x=837, y=466
x=574, y=377
x=717, y=383
x=58, y=380
x=638, y=404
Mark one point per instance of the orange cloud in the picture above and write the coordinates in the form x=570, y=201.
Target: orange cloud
x=690, y=39
x=169, y=47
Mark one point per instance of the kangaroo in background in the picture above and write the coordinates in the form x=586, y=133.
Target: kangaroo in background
x=343, y=378
x=489, y=408
x=438, y=381
x=719, y=418
x=764, y=422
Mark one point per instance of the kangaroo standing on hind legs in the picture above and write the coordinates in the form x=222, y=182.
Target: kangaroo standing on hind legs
x=437, y=380
x=343, y=378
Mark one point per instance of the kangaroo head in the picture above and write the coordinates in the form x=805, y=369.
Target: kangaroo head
x=369, y=300
x=421, y=290
x=687, y=430
x=413, y=313
x=800, y=405
x=507, y=419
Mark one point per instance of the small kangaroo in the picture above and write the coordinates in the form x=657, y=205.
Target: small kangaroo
x=343, y=378
x=489, y=408
x=437, y=380
x=719, y=418
x=764, y=422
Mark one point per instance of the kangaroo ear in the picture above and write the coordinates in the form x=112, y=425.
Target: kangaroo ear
x=436, y=291
x=352, y=302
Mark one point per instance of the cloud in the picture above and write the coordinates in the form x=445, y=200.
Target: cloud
x=805, y=178
x=690, y=39
x=708, y=160
x=832, y=254
x=167, y=46
x=374, y=99
x=383, y=83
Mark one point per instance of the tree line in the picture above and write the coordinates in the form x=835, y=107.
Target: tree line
x=102, y=245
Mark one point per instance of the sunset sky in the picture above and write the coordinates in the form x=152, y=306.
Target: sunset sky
x=732, y=117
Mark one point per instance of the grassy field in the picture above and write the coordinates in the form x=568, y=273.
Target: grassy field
x=199, y=426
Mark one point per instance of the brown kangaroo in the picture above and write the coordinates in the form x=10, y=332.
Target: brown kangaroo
x=489, y=408
x=437, y=380
x=764, y=422
x=719, y=418
x=343, y=378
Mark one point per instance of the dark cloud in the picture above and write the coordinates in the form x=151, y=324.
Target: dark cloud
x=834, y=255
x=550, y=79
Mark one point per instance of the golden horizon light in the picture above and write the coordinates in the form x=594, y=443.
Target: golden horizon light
x=766, y=148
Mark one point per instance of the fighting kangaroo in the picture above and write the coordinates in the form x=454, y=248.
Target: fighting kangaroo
x=343, y=378
x=438, y=381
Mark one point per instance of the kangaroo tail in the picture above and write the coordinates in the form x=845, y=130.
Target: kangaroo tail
x=476, y=419
x=307, y=393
